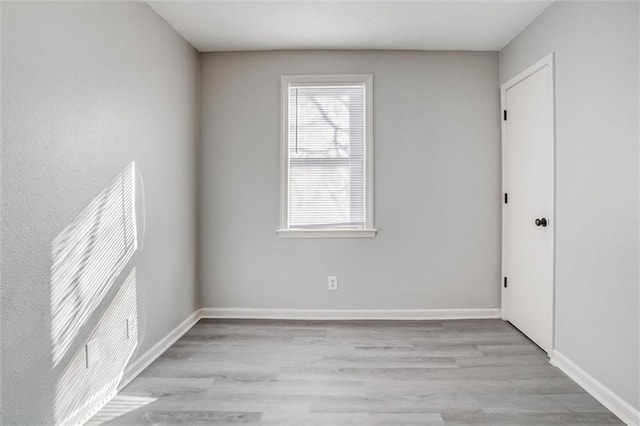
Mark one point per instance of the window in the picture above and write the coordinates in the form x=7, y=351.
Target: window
x=327, y=188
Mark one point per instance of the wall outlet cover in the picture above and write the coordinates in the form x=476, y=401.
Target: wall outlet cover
x=131, y=324
x=333, y=283
x=92, y=353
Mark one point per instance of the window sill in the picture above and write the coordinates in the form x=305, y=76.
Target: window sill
x=327, y=233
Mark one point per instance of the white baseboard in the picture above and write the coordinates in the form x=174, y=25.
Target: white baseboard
x=349, y=314
x=625, y=411
x=143, y=361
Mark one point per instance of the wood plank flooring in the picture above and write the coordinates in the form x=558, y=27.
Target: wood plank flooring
x=247, y=372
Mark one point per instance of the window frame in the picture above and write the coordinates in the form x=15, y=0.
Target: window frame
x=284, y=230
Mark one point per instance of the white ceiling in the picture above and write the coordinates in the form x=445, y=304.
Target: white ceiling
x=231, y=25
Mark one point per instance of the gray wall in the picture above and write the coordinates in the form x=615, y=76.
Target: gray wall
x=88, y=88
x=596, y=53
x=437, y=186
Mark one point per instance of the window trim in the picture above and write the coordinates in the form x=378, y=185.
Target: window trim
x=369, y=230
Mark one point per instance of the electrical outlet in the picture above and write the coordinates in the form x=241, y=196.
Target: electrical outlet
x=333, y=283
x=92, y=353
x=130, y=325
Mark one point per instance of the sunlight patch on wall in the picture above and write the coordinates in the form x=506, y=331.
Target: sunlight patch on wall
x=88, y=256
x=91, y=377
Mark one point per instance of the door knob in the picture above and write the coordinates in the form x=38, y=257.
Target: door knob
x=541, y=222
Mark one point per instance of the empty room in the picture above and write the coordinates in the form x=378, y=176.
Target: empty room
x=320, y=212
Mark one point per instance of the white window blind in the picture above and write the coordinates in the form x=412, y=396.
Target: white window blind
x=326, y=156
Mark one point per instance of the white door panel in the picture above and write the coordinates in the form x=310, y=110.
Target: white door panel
x=528, y=173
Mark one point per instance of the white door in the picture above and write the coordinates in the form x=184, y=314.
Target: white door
x=528, y=207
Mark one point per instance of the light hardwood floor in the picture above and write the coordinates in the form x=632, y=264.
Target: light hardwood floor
x=229, y=372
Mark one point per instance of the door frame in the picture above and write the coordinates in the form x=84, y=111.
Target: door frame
x=547, y=61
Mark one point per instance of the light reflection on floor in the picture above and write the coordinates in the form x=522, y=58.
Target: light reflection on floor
x=118, y=406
